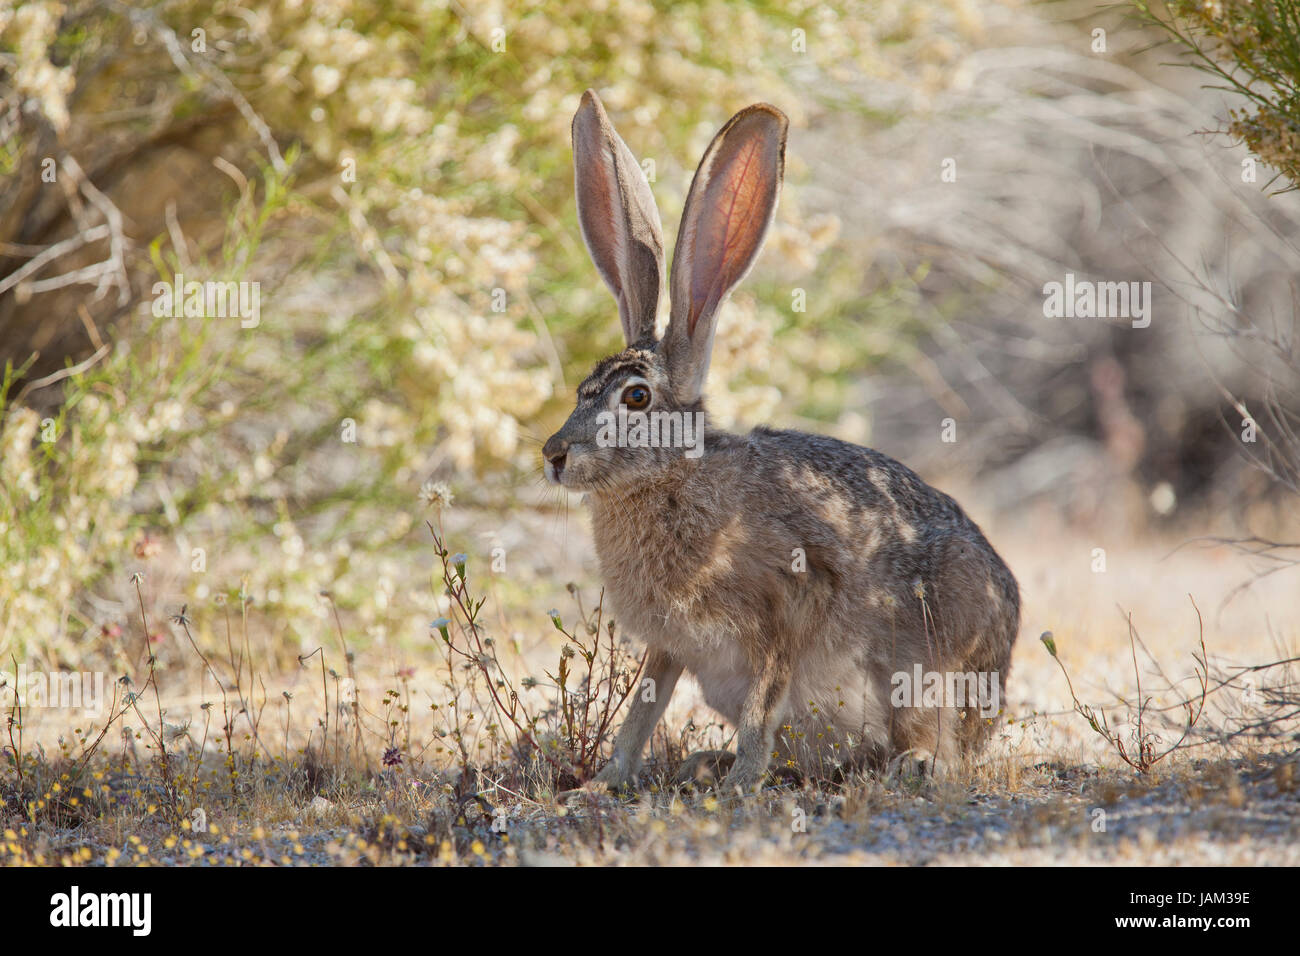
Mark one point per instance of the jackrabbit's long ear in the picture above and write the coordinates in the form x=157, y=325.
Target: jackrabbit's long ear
x=730, y=206
x=619, y=219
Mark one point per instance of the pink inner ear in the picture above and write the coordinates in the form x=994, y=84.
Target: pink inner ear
x=596, y=212
x=735, y=208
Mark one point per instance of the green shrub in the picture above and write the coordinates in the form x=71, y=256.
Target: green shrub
x=1251, y=47
x=397, y=177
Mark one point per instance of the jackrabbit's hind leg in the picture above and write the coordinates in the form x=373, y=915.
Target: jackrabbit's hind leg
x=765, y=702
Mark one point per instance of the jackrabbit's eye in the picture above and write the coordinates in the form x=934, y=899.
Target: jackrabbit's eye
x=635, y=397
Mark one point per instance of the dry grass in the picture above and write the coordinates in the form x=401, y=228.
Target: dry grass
x=240, y=760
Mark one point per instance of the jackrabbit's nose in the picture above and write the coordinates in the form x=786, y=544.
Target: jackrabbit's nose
x=555, y=447
x=554, y=451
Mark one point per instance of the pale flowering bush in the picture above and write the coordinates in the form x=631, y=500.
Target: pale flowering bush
x=17, y=467
x=30, y=31
x=405, y=201
x=57, y=523
x=1253, y=48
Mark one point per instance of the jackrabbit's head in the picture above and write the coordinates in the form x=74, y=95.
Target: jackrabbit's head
x=657, y=384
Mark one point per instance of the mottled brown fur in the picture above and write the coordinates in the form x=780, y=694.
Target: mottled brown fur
x=791, y=574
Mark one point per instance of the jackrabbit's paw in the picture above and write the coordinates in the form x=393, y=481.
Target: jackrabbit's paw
x=704, y=769
x=589, y=791
x=742, y=782
x=610, y=782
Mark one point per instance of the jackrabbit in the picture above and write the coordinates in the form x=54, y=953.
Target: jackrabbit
x=827, y=600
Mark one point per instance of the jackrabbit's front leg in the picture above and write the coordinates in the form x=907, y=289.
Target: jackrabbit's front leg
x=756, y=736
x=648, y=704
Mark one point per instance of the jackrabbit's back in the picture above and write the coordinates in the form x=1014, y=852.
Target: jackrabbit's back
x=840, y=551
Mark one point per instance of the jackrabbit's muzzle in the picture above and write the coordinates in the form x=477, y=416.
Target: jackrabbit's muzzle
x=555, y=453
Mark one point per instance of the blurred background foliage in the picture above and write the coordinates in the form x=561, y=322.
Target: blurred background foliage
x=396, y=176
x=1252, y=49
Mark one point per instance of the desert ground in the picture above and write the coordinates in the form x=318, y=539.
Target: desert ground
x=1049, y=790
